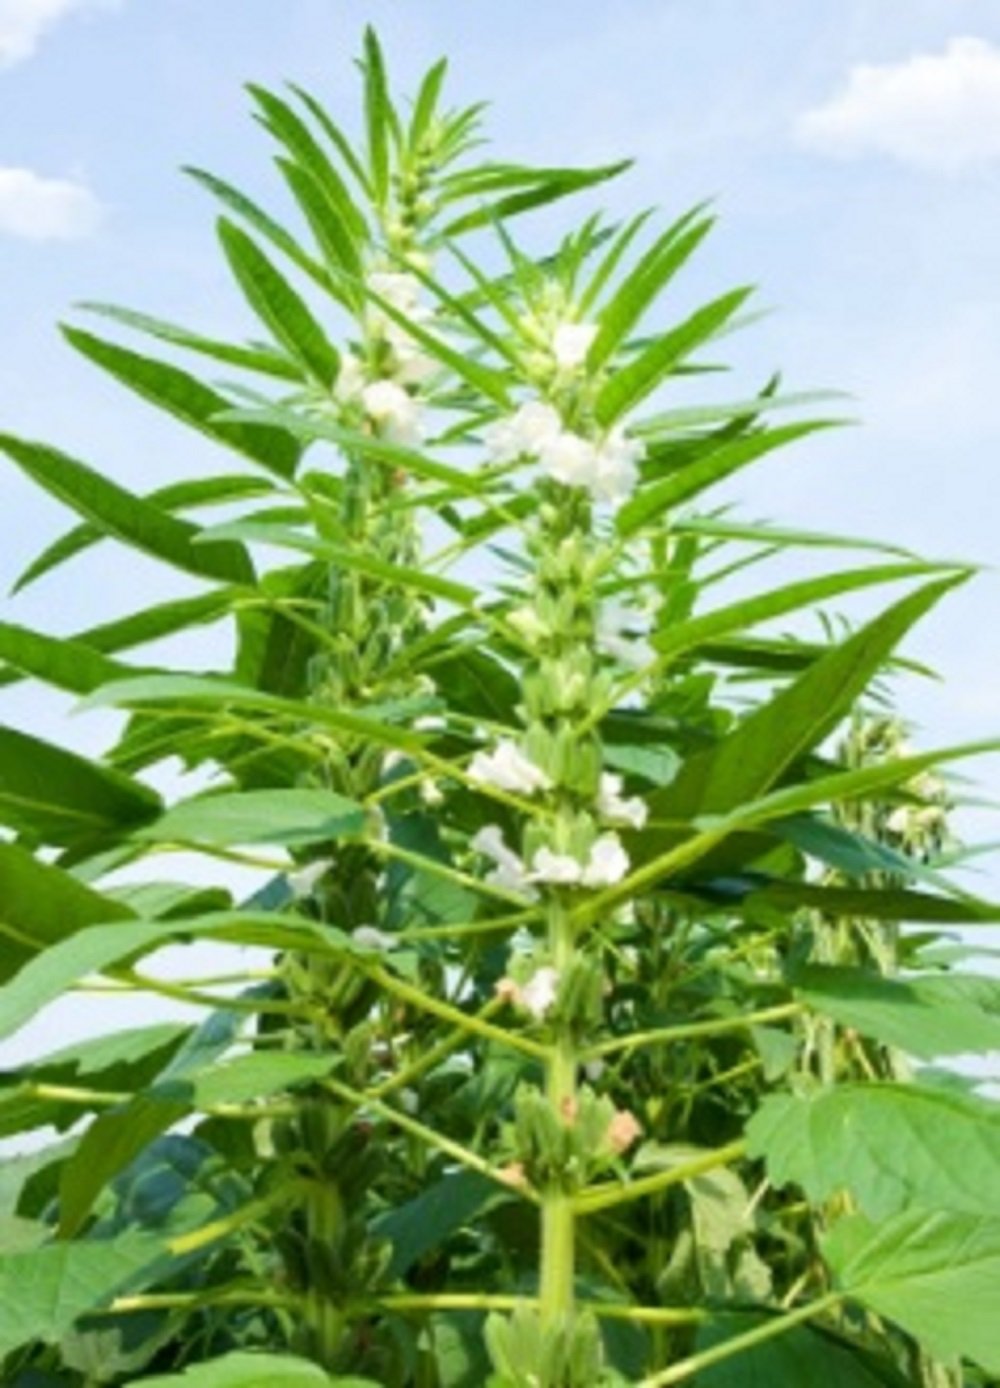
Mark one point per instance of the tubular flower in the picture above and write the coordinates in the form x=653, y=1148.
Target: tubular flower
x=570, y=344
x=608, y=862
x=522, y=434
x=615, y=808
x=396, y=413
x=508, y=872
x=507, y=768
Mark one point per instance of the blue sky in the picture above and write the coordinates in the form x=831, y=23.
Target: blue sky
x=853, y=147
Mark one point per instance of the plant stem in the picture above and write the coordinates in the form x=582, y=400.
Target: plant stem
x=691, y=1030
x=686, y=1368
x=605, y=1196
x=558, y=1252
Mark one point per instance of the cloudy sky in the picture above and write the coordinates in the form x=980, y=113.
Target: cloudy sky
x=853, y=148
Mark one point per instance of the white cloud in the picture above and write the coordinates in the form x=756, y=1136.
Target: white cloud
x=46, y=209
x=938, y=111
x=24, y=23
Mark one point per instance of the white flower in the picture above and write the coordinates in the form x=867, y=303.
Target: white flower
x=395, y=411
x=508, y=873
x=571, y=342
x=507, y=768
x=398, y=288
x=304, y=882
x=608, y=862
x=539, y=993
x=559, y=869
x=409, y=1100
x=393, y=759
x=594, y=1069
x=616, y=469
x=621, y=634
x=614, y=807
x=900, y=820
x=350, y=379
x=429, y=723
x=431, y=793
x=570, y=459
x=522, y=434
x=368, y=937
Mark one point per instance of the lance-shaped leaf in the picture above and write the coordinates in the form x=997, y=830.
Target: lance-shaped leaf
x=195, y=691
x=56, y=797
x=263, y=360
x=102, y=947
x=718, y=463
x=59, y=661
x=763, y=745
x=258, y=816
x=924, y=1016
x=545, y=186
x=934, y=1274
x=640, y=377
x=645, y=281
x=279, y=306
x=261, y=222
x=125, y=516
x=40, y=904
x=178, y=496
x=248, y=1370
x=44, y=1292
x=189, y=400
x=889, y=1145
x=380, y=118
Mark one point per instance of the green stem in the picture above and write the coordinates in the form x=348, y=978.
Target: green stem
x=691, y=1030
x=466, y=1021
x=604, y=1197
x=686, y=1368
x=558, y=1252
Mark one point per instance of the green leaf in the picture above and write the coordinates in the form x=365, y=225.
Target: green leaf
x=794, y=1359
x=719, y=463
x=179, y=496
x=921, y=1016
x=431, y=1218
x=654, y=270
x=113, y=1140
x=633, y=382
x=379, y=115
x=101, y=947
x=287, y=126
x=426, y=103
x=43, y=1292
x=749, y=760
x=936, y=1275
x=195, y=690
x=248, y=1370
x=279, y=306
x=548, y=186
x=127, y=517
x=260, y=221
x=257, y=1076
x=56, y=797
x=59, y=661
x=290, y=817
x=876, y=903
x=747, y=612
x=190, y=401
x=889, y=1145
x=257, y=358
x=40, y=904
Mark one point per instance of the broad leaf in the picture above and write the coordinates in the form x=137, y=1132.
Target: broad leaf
x=45, y=1291
x=920, y=1015
x=936, y=1275
x=890, y=1145
x=247, y=1370
x=795, y=1359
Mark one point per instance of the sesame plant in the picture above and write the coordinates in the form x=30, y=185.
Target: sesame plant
x=591, y=1022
